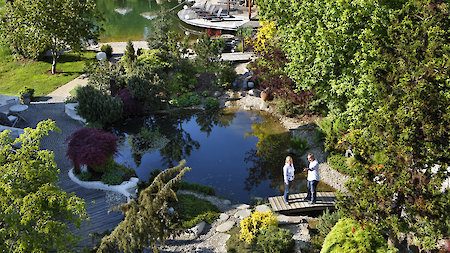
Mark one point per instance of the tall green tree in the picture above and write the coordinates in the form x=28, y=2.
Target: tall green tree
x=381, y=69
x=402, y=150
x=32, y=26
x=35, y=213
x=148, y=219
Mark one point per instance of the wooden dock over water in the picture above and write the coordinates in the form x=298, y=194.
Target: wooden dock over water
x=296, y=204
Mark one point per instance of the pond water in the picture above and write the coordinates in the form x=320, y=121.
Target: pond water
x=238, y=153
x=132, y=19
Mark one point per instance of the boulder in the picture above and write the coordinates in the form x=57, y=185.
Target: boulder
x=225, y=227
x=262, y=208
x=242, y=214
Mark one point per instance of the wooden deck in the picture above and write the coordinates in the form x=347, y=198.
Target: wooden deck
x=296, y=204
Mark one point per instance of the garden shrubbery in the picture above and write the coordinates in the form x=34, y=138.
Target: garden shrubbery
x=260, y=233
x=96, y=107
x=107, y=49
x=338, y=162
x=351, y=236
x=211, y=103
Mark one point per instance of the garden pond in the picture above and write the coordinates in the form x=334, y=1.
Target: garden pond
x=133, y=19
x=238, y=153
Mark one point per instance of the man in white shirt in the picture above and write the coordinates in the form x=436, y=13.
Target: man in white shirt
x=313, y=178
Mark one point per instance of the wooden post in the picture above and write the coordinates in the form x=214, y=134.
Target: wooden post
x=228, y=7
x=250, y=9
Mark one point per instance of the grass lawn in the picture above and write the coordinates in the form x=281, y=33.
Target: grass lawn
x=14, y=75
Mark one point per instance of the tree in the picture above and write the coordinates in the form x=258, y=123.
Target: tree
x=243, y=33
x=402, y=149
x=381, y=69
x=32, y=26
x=35, y=212
x=148, y=219
x=207, y=50
x=129, y=55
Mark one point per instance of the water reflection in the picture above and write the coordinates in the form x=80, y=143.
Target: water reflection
x=127, y=19
x=240, y=154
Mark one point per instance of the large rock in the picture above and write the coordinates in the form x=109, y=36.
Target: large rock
x=223, y=217
x=283, y=219
x=242, y=214
x=241, y=206
x=262, y=208
x=225, y=227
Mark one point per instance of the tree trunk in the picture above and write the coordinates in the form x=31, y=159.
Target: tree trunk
x=54, y=56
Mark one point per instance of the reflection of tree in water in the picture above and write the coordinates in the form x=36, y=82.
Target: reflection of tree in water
x=267, y=160
x=181, y=144
x=208, y=119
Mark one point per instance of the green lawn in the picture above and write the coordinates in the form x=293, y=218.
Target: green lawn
x=14, y=75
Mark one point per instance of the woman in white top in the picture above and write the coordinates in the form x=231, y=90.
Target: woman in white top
x=288, y=176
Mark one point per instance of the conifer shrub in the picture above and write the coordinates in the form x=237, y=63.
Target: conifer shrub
x=107, y=49
x=275, y=240
x=327, y=221
x=351, y=236
x=96, y=107
x=131, y=107
x=91, y=147
x=226, y=75
x=145, y=91
x=211, y=103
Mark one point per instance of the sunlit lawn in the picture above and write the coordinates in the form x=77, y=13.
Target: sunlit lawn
x=14, y=75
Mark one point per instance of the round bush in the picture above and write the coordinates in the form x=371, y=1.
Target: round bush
x=275, y=240
x=107, y=49
x=350, y=236
x=211, y=103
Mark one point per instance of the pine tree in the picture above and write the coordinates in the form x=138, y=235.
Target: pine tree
x=148, y=219
x=130, y=54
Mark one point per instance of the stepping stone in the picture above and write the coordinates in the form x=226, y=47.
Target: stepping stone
x=262, y=208
x=223, y=217
x=242, y=214
x=283, y=219
x=241, y=206
x=225, y=227
x=227, y=202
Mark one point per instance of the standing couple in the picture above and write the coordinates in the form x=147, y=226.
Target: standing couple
x=313, y=178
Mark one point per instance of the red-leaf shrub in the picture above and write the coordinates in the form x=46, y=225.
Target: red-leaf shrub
x=131, y=107
x=268, y=72
x=91, y=147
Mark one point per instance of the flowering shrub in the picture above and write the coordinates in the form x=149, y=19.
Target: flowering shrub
x=91, y=147
x=251, y=226
x=265, y=36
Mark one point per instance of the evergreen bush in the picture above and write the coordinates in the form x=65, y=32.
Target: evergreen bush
x=26, y=90
x=211, y=103
x=107, y=49
x=351, y=236
x=226, y=75
x=146, y=92
x=327, y=221
x=84, y=176
x=99, y=108
x=275, y=240
x=208, y=217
